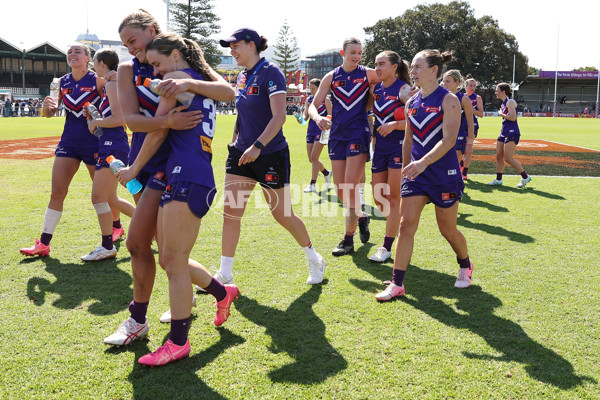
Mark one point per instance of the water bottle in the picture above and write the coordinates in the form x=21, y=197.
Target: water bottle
x=134, y=186
x=324, y=139
x=185, y=98
x=93, y=113
x=54, y=89
x=300, y=119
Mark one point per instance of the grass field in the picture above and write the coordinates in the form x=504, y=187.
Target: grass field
x=527, y=328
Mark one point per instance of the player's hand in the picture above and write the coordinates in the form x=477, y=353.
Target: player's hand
x=324, y=123
x=250, y=155
x=111, y=76
x=414, y=169
x=386, y=129
x=126, y=174
x=92, y=125
x=468, y=150
x=171, y=87
x=183, y=120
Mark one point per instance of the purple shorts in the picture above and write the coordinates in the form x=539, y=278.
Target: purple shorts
x=87, y=155
x=313, y=137
x=156, y=181
x=198, y=197
x=342, y=149
x=443, y=196
x=383, y=162
x=461, y=142
x=510, y=138
x=104, y=153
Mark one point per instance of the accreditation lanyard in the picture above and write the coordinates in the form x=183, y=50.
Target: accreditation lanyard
x=248, y=80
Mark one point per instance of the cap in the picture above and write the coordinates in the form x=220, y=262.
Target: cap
x=242, y=34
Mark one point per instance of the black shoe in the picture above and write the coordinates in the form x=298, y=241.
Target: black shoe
x=343, y=248
x=363, y=228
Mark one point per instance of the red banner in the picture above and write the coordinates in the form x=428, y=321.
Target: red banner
x=297, y=80
x=305, y=81
x=289, y=82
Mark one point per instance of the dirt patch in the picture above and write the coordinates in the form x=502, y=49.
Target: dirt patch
x=29, y=149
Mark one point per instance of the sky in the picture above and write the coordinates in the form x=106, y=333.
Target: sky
x=539, y=27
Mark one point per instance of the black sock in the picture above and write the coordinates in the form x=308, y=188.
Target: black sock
x=117, y=224
x=464, y=263
x=179, y=331
x=499, y=176
x=524, y=175
x=465, y=170
x=46, y=238
x=325, y=172
x=107, y=242
x=313, y=181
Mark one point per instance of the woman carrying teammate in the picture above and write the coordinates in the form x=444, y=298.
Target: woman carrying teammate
x=313, y=138
x=148, y=159
x=389, y=98
x=189, y=193
x=349, y=140
x=431, y=172
x=477, y=103
x=112, y=142
x=509, y=137
x=259, y=153
x=466, y=136
x=76, y=143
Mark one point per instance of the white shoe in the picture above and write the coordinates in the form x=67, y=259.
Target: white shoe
x=381, y=255
x=166, y=317
x=524, y=181
x=328, y=180
x=496, y=182
x=390, y=292
x=220, y=278
x=310, y=189
x=316, y=271
x=463, y=280
x=100, y=253
x=128, y=331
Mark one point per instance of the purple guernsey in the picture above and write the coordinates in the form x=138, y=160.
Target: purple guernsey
x=350, y=95
x=386, y=101
x=425, y=116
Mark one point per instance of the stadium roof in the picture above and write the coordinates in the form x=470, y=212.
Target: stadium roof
x=47, y=48
x=7, y=46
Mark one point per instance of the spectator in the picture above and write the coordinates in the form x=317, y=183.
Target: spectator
x=22, y=108
x=7, y=108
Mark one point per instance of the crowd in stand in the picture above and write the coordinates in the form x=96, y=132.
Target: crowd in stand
x=21, y=108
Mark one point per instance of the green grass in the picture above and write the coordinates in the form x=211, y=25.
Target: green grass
x=528, y=327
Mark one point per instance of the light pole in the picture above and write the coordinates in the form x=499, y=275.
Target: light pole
x=168, y=2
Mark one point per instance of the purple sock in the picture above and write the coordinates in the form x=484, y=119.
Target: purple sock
x=325, y=172
x=107, y=242
x=179, y=331
x=398, y=277
x=466, y=263
x=499, y=176
x=46, y=238
x=313, y=181
x=465, y=170
x=462, y=163
x=349, y=239
x=362, y=219
x=524, y=175
x=217, y=289
x=138, y=311
x=387, y=242
x=117, y=224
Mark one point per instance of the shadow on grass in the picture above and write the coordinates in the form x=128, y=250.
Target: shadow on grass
x=468, y=200
x=100, y=281
x=298, y=332
x=482, y=187
x=475, y=311
x=462, y=220
x=180, y=379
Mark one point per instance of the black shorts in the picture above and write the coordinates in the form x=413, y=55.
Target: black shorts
x=270, y=170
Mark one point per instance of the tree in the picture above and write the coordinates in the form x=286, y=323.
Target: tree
x=586, y=69
x=194, y=19
x=286, y=50
x=481, y=48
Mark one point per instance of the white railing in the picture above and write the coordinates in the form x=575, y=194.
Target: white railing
x=14, y=90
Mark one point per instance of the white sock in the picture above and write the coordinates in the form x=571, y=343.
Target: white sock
x=311, y=254
x=362, y=197
x=51, y=219
x=226, y=269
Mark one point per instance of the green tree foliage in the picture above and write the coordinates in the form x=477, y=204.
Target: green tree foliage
x=194, y=19
x=286, y=49
x=481, y=48
x=586, y=69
